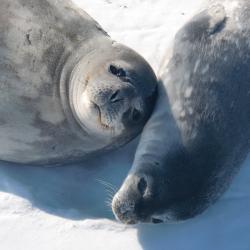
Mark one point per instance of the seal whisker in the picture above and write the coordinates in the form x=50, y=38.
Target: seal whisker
x=109, y=204
x=108, y=185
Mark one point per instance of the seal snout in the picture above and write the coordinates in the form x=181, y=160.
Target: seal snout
x=124, y=211
x=119, y=105
x=128, y=204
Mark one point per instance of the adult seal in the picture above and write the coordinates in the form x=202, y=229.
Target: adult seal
x=199, y=132
x=67, y=89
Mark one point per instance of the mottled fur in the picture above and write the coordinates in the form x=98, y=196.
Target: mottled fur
x=42, y=42
x=199, y=133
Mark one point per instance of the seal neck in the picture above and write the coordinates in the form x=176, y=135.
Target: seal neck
x=160, y=136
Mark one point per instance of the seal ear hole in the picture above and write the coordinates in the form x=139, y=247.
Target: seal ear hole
x=119, y=72
x=142, y=186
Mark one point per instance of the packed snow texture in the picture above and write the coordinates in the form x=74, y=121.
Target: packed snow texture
x=68, y=208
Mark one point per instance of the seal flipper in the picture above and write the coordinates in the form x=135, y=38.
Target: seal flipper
x=203, y=25
x=218, y=19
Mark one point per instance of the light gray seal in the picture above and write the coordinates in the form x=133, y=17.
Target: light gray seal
x=67, y=90
x=199, y=132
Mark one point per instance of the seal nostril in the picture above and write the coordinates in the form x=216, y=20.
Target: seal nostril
x=136, y=115
x=142, y=185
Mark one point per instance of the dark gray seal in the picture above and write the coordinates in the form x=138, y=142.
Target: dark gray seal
x=66, y=89
x=199, y=132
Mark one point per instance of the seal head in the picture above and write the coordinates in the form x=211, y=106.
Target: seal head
x=112, y=93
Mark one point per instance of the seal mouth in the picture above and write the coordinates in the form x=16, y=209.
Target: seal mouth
x=156, y=220
x=103, y=125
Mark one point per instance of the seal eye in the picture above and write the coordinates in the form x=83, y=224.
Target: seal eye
x=117, y=71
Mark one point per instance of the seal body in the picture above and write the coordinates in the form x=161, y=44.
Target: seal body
x=67, y=89
x=199, y=133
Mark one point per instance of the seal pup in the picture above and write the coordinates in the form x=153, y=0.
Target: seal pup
x=67, y=89
x=199, y=132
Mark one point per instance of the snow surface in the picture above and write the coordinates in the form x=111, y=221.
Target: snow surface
x=65, y=208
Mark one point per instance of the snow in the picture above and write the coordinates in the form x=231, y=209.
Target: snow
x=65, y=208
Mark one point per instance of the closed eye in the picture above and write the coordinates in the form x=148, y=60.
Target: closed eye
x=119, y=72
